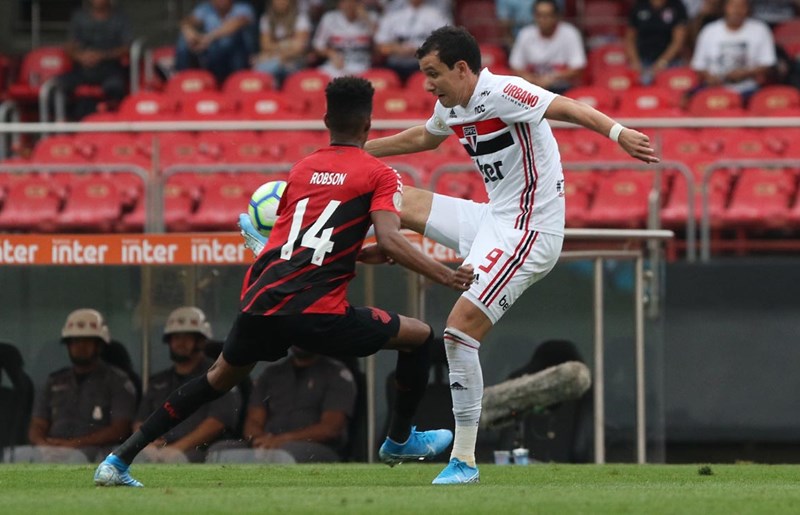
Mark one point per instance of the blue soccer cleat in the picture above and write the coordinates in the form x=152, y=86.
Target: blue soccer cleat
x=253, y=239
x=457, y=473
x=114, y=472
x=419, y=446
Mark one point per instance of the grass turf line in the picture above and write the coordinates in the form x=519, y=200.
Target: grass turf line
x=376, y=489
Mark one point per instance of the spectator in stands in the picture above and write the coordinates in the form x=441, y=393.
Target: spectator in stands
x=186, y=333
x=344, y=39
x=216, y=36
x=549, y=53
x=445, y=7
x=285, y=34
x=99, y=37
x=736, y=51
x=655, y=37
x=401, y=32
x=301, y=405
x=700, y=16
x=514, y=15
x=88, y=406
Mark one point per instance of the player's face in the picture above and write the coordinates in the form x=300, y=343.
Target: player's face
x=450, y=86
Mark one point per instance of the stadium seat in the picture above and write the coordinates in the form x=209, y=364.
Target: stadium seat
x=247, y=83
x=296, y=145
x=382, y=79
x=114, y=148
x=579, y=189
x=775, y=101
x=223, y=199
x=716, y=101
x=146, y=106
x=479, y=17
x=620, y=199
x=493, y=56
x=37, y=67
x=398, y=104
x=751, y=144
x=160, y=62
x=62, y=149
x=760, y=199
x=308, y=87
x=679, y=81
x=93, y=204
x=176, y=148
x=606, y=57
x=597, y=97
x=207, y=105
x=190, y=81
x=465, y=183
x=603, y=21
x=787, y=33
x=647, y=102
x=239, y=148
x=31, y=204
x=617, y=80
x=272, y=105
x=675, y=210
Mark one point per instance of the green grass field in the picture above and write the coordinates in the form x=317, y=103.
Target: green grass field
x=377, y=489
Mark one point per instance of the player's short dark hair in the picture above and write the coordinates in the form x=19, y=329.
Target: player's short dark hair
x=453, y=44
x=349, y=104
x=549, y=2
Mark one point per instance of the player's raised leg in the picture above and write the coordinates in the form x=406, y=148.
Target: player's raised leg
x=416, y=208
x=404, y=442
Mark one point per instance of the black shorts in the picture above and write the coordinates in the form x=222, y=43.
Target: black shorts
x=359, y=332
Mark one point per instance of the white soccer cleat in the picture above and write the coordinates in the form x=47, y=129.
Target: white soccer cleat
x=114, y=472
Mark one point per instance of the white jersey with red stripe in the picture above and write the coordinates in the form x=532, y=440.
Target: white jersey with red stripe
x=504, y=131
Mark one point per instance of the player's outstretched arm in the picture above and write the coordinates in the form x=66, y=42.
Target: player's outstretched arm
x=415, y=139
x=394, y=245
x=635, y=143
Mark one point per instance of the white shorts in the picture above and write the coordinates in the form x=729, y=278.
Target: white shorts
x=506, y=260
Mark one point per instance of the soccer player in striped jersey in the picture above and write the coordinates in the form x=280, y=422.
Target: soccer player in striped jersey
x=295, y=292
x=515, y=239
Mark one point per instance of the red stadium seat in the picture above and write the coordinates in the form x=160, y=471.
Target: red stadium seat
x=308, y=87
x=617, y=80
x=597, y=97
x=397, y=103
x=680, y=81
x=115, y=148
x=382, y=79
x=760, y=199
x=176, y=148
x=207, y=105
x=493, y=56
x=787, y=33
x=675, y=211
x=647, y=102
x=465, y=183
x=751, y=144
x=144, y=106
x=605, y=57
x=297, y=145
x=579, y=188
x=38, y=66
x=62, y=150
x=190, y=81
x=273, y=105
x=775, y=101
x=621, y=199
x=94, y=204
x=480, y=18
x=247, y=83
x=717, y=101
x=239, y=148
x=223, y=199
x=31, y=204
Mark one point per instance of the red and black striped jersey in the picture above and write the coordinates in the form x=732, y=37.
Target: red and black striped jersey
x=323, y=218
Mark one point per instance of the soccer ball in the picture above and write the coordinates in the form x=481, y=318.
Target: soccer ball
x=263, y=207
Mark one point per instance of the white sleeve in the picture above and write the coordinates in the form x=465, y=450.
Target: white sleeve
x=516, y=60
x=577, y=55
x=520, y=101
x=702, y=49
x=323, y=33
x=435, y=124
x=765, y=47
x=384, y=33
x=303, y=24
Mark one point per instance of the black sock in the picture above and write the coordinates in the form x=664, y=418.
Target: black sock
x=411, y=381
x=178, y=407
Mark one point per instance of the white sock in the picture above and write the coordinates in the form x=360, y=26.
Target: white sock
x=466, y=388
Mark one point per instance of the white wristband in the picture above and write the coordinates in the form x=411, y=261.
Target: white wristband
x=615, y=131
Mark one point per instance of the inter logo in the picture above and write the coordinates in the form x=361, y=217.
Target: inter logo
x=471, y=135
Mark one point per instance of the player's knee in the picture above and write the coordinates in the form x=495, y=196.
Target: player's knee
x=414, y=334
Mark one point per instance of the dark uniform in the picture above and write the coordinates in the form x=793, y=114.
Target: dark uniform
x=76, y=406
x=295, y=397
x=225, y=409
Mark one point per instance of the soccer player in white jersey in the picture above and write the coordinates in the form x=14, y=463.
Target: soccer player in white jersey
x=515, y=239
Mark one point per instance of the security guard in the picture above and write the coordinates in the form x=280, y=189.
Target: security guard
x=90, y=405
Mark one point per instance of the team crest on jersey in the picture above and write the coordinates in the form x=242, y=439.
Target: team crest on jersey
x=471, y=135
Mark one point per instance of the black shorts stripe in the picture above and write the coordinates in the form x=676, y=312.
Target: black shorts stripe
x=516, y=261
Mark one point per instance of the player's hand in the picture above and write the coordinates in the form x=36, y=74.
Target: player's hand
x=372, y=255
x=637, y=145
x=461, y=278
